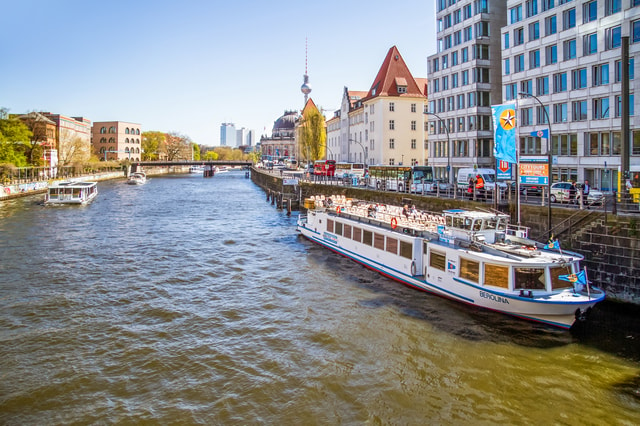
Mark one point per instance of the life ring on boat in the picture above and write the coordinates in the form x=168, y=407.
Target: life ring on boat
x=413, y=267
x=338, y=210
x=394, y=223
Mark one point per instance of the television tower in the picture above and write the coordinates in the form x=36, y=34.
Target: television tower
x=305, y=88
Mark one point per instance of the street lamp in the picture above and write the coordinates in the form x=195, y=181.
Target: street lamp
x=446, y=128
x=364, y=151
x=549, y=157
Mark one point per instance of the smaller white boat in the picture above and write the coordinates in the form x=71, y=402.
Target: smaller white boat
x=222, y=169
x=137, y=178
x=196, y=169
x=71, y=193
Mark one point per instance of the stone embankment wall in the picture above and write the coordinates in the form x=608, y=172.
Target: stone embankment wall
x=610, y=243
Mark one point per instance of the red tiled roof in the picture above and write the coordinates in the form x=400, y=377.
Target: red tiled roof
x=392, y=73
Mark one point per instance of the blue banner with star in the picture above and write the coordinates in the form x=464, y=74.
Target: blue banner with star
x=504, y=123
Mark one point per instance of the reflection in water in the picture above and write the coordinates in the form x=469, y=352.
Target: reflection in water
x=191, y=300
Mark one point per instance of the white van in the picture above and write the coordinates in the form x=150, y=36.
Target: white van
x=489, y=176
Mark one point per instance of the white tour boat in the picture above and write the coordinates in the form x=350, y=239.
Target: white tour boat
x=71, y=193
x=137, y=178
x=475, y=257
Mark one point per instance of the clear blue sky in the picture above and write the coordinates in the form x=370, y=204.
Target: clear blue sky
x=188, y=66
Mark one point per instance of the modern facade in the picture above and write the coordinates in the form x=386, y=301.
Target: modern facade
x=116, y=140
x=384, y=125
x=567, y=54
x=464, y=81
x=228, y=135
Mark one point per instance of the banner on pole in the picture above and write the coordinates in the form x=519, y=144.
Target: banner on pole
x=504, y=123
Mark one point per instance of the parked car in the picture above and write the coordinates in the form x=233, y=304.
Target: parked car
x=530, y=189
x=560, y=193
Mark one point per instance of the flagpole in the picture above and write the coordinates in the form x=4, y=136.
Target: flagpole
x=586, y=278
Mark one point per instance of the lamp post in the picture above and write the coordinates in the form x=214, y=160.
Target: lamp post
x=364, y=151
x=448, y=144
x=549, y=157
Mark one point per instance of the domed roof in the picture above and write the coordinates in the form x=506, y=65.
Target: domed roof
x=286, y=122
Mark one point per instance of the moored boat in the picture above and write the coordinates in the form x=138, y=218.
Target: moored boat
x=475, y=257
x=61, y=193
x=137, y=178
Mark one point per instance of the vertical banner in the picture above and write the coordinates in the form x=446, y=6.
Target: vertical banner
x=504, y=123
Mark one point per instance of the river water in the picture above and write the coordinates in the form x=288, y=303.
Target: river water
x=194, y=301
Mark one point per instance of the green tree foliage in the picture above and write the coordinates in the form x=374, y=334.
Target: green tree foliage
x=15, y=137
x=151, y=143
x=196, y=151
x=313, y=135
x=210, y=156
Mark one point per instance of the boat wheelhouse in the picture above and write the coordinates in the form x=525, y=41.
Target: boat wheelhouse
x=71, y=193
x=475, y=257
x=137, y=178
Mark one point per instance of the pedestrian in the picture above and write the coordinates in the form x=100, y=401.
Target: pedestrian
x=480, y=186
x=572, y=193
x=472, y=185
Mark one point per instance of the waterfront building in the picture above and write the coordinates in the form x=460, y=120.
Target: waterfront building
x=282, y=141
x=464, y=81
x=73, y=138
x=228, y=135
x=384, y=125
x=116, y=140
x=568, y=55
x=241, y=136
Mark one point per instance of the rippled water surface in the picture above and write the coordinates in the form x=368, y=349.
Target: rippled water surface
x=191, y=300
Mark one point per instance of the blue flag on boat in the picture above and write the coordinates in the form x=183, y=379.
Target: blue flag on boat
x=504, y=123
x=580, y=278
x=553, y=245
x=541, y=134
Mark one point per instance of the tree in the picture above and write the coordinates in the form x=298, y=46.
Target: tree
x=151, y=143
x=210, y=156
x=43, y=131
x=177, y=147
x=73, y=148
x=15, y=137
x=196, y=151
x=312, y=135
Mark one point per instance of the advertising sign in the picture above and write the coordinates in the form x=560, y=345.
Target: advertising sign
x=534, y=171
x=504, y=170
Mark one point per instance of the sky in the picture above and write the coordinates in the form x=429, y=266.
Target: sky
x=188, y=66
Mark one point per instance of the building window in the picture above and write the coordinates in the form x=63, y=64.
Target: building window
x=579, y=110
x=547, y=4
x=619, y=105
x=635, y=31
x=392, y=106
x=482, y=29
x=465, y=54
x=612, y=6
x=613, y=37
x=532, y=8
x=518, y=36
x=511, y=91
x=413, y=107
x=600, y=108
x=550, y=25
x=569, y=19
x=413, y=124
x=589, y=11
x=460, y=148
x=542, y=114
x=560, y=82
x=600, y=74
x=590, y=44
x=551, y=54
x=467, y=33
x=560, y=113
x=618, y=70
x=526, y=115
x=506, y=40
x=465, y=77
x=392, y=124
x=515, y=14
x=526, y=86
x=454, y=81
x=542, y=86
x=518, y=63
x=569, y=49
x=507, y=66
x=392, y=143
x=534, y=31
x=414, y=144
x=534, y=59
x=445, y=82
x=579, y=78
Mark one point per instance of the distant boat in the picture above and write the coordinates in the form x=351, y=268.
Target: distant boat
x=71, y=193
x=196, y=169
x=137, y=178
x=222, y=169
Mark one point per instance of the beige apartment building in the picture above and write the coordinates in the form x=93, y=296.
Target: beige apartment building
x=117, y=140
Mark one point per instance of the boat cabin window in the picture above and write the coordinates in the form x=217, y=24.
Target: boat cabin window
x=449, y=220
x=477, y=225
x=406, y=249
x=378, y=241
x=490, y=223
x=392, y=245
x=496, y=275
x=557, y=283
x=329, y=225
x=529, y=279
x=367, y=237
x=338, y=229
x=357, y=234
x=437, y=260
x=469, y=270
x=346, y=231
x=502, y=224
